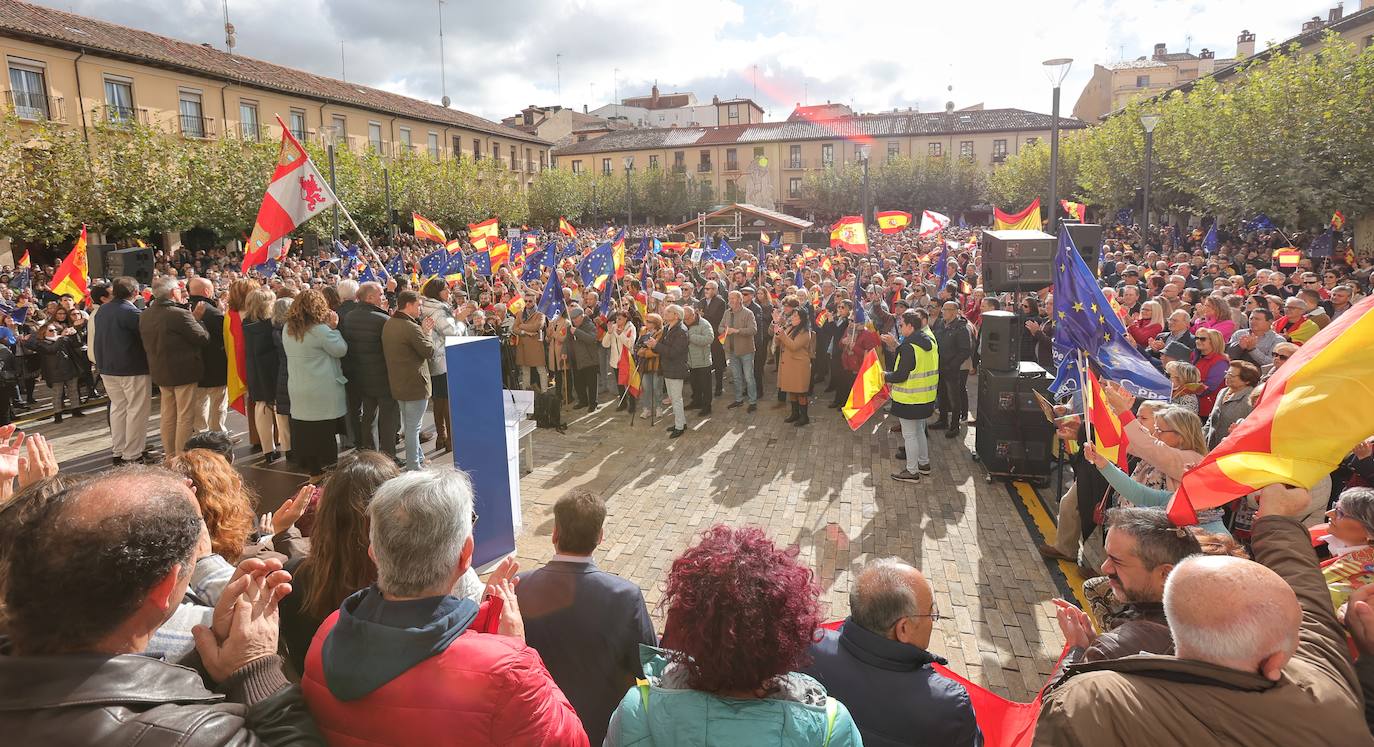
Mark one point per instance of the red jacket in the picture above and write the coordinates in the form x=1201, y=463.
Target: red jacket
x=482, y=689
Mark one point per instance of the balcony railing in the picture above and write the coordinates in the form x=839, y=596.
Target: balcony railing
x=795, y=163
x=123, y=116
x=34, y=106
x=194, y=126
x=704, y=167
x=732, y=165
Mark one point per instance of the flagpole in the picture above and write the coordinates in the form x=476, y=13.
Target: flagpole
x=1083, y=388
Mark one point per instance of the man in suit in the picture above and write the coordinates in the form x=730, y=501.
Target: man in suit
x=123, y=365
x=212, y=391
x=585, y=623
x=712, y=309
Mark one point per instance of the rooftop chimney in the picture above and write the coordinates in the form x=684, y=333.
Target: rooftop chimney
x=1160, y=51
x=1206, y=63
x=1245, y=45
x=653, y=95
x=1336, y=13
x=1313, y=24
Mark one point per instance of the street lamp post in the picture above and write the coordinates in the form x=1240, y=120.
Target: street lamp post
x=629, y=194
x=863, y=159
x=1055, y=69
x=1149, y=122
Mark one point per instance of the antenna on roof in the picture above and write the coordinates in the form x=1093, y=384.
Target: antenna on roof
x=1188, y=43
x=343, y=63
x=229, y=39
x=756, y=83
x=558, y=73
x=443, y=80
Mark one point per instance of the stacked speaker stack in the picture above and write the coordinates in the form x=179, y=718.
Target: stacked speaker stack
x=1013, y=437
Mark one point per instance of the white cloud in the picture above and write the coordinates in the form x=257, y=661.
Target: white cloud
x=874, y=54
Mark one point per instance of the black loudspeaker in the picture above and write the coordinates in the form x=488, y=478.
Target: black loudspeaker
x=999, y=341
x=95, y=259
x=1018, y=260
x=137, y=263
x=1014, y=438
x=310, y=245
x=1087, y=237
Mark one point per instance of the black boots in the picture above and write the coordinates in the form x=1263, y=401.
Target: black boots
x=803, y=418
x=796, y=414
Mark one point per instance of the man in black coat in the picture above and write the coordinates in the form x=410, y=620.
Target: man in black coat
x=123, y=367
x=587, y=624
x=212, y=393
x=877, y=664
x=955, y=343
x=365, y=368
x=671, y=347
x=584, y=356
x=762, y=335
x=713, y=310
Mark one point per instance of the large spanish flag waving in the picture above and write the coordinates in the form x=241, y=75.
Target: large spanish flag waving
x=426, y=229
x=1312, y=413
x=892, y=221
x=848, y=234
x=237, y=380
x=1108, y=434
x=484, y=233
x=869, y=392
x=1026, y=220
x=71, y=277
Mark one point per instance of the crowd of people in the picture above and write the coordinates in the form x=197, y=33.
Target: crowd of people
x=150, y=603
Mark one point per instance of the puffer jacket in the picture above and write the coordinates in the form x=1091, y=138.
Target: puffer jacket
x=444, y=326
x=700, y=336
x=365, y=364
x=59, y=357
x=666, y=713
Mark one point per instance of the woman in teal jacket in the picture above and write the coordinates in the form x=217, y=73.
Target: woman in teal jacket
x=741, y=614
x=315, y=380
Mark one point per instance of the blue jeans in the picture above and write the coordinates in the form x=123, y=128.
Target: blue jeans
x=651, y=398
x=412, y=416
x=742, y=374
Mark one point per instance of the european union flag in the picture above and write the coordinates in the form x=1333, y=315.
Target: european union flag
x=859, y=317
x=551, y=301
x=482, y=260
x=1323, y=245
x=552, y=253
x=598, y=264
x=367, y=275
x=1124, y=217
x=723, y=251
x=347, y=252
x=268, y=268
x=1084, y=321
x=942, y=264
x=23, y=278
x=642, y=250
x=1209, y=242
x=536, y=261
x=395, y=267
x=1260, y=223
x=434, y=263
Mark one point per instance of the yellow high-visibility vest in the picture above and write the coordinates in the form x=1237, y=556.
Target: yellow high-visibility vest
x=919, y=387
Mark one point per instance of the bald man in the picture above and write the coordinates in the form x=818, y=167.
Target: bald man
x=1259, y=656
x=212, y=393
x=877, y=663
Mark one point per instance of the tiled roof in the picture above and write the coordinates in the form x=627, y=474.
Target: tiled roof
x=858, y=127
x=54, y=27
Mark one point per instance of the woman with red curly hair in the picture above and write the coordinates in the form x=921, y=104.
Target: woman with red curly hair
x=741, y=614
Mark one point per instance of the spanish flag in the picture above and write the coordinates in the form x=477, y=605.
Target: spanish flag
x=618, y=254
x=24, y=259
x=1077, y=210
x=1337, y=220
x=1312, y=412
x=1026, y=220
x=627, y=373
x=72, y=277
x=454, y=246
x=677, y=247
x=500, y=254
x=425, y=229
x=1349, y=256
x=1108, y=435
x=848, y=234
x=566, y=228
x=1288, y=256
x=869, y=392
x=237, y=380
x=481, y=234
x=892, y=221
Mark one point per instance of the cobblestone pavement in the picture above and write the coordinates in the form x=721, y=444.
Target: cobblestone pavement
x=820, y=487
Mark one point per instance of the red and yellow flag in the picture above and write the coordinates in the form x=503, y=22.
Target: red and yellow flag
x=618, y=255
x=892, y=221
x=849, y=234
x=453, y=246
x=481, y=234
x=1077, y=210
x=1288, y=256
x=1108, y=435
x=566, y=228
x=295, y=193
x=72, y=277
x=1338, y=220
x=1026, y=220
x=425, y=229
x=237, y=380
x=500, y=254
x=1350, y=256
x=869, y=392
x=1312, y=412
x=627, y=373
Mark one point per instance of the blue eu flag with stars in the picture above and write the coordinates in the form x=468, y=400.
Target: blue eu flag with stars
x=551, y=302
x=1085, y=322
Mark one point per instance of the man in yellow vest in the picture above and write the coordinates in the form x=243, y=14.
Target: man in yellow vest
x=913, y=365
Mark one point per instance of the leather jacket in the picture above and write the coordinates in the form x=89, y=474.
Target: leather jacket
x=138, y=701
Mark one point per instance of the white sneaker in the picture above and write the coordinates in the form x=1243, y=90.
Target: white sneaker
x=644, y=414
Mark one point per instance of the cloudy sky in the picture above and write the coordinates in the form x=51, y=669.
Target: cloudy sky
x=871, y=54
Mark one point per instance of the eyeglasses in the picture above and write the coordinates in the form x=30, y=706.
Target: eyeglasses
x=474, y=516
x=1280, y=357
x=934, y=616
x=1162, y=431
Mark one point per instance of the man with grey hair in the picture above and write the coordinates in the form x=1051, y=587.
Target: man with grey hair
x=877, y=663
x=1260, y=656
x=174, y=339
x=212, y=394
x=365, y=366
x=739, y=326
x=409, y=634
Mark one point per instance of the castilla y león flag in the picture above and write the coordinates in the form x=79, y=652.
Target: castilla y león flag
x=296, y=193
x=1312, y=412
x=869, y=392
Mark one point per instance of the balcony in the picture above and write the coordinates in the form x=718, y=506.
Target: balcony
x=795, y=163
x=122, y=116
x=704, y=167
x=35, y=106
x=196, y=127
x=732, y=165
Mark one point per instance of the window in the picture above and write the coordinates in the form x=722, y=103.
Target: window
x=731, y=191
x=1142, y=81
x=119, y=100
x=529, y=160
x=577, y=167
x=827, y=155
x=758, y=152
x=514, y=159
x=29, y=90
x=248, y=121
x=999, y=150
x=298, y=124
x=794, y=156
x=192, y=119
x=894, y=151
x=374, y=136
x=966, y=149
x=340, y=129
x=405, y=139
x=496, y=152
x=679, y=160
x=606, y=166
x=731, y=162
x=653, y=162
x=935, y=150
x=434, y=145
x=794, y=187
x=732, y=114
x=705, y=164
x=476, y=149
